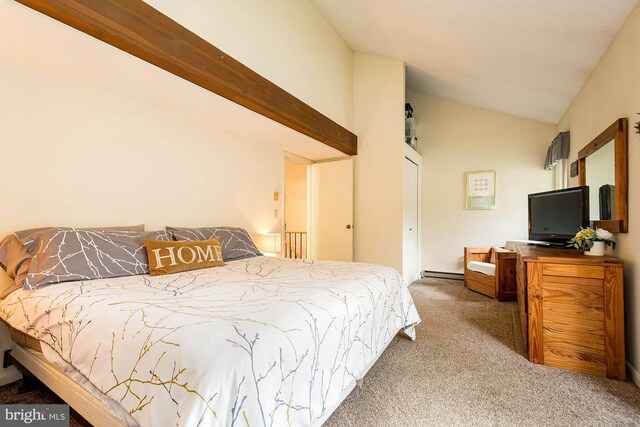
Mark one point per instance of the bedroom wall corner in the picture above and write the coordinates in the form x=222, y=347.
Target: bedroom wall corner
x=379, y=96
x=454, y=138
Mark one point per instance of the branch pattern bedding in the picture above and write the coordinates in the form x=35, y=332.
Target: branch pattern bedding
x=261, y=341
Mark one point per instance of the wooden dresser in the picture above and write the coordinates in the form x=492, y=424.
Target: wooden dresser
x=572, y=310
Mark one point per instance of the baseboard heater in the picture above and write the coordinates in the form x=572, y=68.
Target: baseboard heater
x=442, y=275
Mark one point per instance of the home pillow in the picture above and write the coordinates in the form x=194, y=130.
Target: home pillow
x=235, y=241
x=15, y=258
x=63, y=254
x=174, y=257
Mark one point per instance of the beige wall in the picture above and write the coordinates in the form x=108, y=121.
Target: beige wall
x=80, y=156
x=455, y=138
x=613, y=91
x=379, y=123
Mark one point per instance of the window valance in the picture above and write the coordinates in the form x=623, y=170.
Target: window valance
x=558, y=150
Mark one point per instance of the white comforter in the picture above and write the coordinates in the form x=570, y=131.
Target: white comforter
x=261, y=342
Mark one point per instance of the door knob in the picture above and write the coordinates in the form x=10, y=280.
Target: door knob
x=348, y=226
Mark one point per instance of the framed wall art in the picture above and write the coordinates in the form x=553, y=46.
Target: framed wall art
x=480, y=190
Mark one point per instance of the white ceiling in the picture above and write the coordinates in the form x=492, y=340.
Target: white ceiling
x=523, y=57
x=30, y=38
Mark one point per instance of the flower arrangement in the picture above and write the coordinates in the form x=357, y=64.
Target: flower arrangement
x=586, y=237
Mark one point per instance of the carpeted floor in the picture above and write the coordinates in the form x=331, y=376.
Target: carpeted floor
x=466, y=368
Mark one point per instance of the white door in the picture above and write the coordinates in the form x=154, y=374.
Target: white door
x=331, y=210
x=410, y=262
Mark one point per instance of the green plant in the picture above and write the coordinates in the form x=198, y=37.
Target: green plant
x=585, y=238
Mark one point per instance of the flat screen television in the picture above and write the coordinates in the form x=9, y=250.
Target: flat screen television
x=556, y=216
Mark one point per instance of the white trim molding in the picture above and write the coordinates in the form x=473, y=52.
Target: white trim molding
x=442, y=275
x=634, y=374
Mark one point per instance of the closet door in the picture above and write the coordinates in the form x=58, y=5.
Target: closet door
x=410, y=262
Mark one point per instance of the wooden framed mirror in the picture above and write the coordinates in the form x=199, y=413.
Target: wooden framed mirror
x=602, y=165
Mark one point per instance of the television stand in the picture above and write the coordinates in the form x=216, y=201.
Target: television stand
x=556, y=245
x=572, y=310
x=513, y=244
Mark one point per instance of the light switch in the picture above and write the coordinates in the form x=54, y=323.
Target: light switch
x=276, y=196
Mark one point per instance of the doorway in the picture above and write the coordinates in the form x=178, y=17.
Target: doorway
x=296, y=213
x=318, y=209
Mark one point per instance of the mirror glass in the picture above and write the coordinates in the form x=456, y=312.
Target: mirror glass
x=601, y=179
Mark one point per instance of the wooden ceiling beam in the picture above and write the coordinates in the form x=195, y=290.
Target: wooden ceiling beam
x=137, y=28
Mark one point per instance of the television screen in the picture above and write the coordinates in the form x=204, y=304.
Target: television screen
x=556, y=216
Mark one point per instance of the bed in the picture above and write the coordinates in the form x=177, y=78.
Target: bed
x=261, y=341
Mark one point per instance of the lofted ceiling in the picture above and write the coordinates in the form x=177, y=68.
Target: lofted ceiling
x=528, y=58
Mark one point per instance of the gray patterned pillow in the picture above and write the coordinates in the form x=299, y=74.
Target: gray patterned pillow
x=236, y=242
x=15, y=257
x=67, y=254
x=26, y=237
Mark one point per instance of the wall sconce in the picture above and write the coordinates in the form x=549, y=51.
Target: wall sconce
x=269, y=244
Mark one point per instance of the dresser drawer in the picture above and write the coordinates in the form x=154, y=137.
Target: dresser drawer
x=573, y=270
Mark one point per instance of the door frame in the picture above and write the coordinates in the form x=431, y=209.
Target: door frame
x=294, y=158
